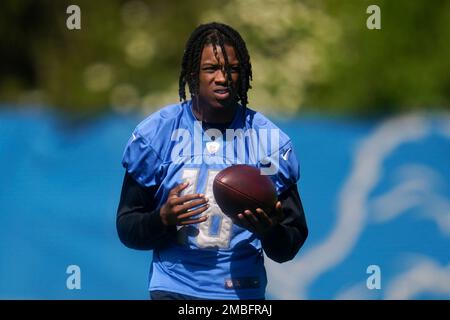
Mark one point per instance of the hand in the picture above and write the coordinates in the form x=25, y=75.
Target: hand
x=259, y=222
x=176, y=210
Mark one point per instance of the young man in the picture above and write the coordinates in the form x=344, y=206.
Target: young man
x=167, y=204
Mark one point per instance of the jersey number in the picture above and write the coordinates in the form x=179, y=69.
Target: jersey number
x=216, y=231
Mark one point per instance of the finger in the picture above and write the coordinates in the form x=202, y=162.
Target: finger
x=187, y=197
x=264, y=218
x=279, y=211
x=194, y=212
x=243, y=222
x=185, y=207
x=193, y=221
x=175, y=191
x=278, y=207
x=251, y=218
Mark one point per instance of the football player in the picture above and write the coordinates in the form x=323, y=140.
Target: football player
x=167, y=204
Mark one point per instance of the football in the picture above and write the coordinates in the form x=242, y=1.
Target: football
x=243, y=187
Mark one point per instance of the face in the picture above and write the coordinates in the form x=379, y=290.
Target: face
x=213, y=90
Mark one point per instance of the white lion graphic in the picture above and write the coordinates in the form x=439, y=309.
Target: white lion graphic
x=415, y=186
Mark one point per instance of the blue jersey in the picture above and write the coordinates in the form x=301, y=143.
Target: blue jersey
x=215, y=259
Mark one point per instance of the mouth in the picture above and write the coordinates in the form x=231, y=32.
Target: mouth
x=222, y=93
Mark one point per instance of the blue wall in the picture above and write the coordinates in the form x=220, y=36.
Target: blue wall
x=374, y=192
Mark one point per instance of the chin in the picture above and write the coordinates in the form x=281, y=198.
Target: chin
x=220, y=105
x=223, y=103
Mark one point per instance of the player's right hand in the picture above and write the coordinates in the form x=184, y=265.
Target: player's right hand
x=178, y=210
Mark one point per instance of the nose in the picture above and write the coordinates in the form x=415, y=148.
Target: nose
x=220, y=76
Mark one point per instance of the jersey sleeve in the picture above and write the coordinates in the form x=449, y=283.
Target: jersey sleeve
x=141, y=161
x=288, y=168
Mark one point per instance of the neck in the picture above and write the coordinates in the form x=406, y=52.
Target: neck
x=205, y=112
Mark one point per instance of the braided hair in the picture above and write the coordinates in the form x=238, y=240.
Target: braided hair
x=216, y=34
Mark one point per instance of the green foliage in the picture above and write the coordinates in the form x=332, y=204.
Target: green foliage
x=307, y=55
x=404, y=66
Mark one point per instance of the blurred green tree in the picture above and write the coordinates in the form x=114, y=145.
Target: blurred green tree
x=402, y=67
x=307, y=55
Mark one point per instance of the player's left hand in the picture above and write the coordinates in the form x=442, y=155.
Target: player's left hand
x=259, y=222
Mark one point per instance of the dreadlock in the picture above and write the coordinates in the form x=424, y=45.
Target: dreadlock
x=217, y=34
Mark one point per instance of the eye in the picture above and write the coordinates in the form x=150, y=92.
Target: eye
x=209, y=69
x=235, y=69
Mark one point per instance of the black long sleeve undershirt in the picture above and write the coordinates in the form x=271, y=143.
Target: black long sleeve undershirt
x=283, y=242
x=139, y=224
